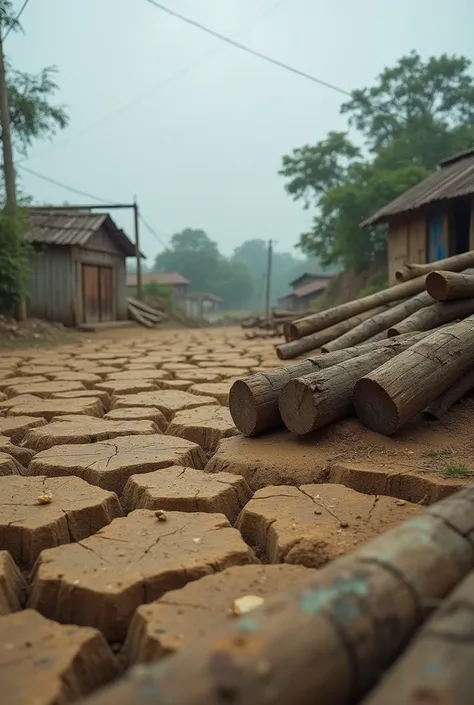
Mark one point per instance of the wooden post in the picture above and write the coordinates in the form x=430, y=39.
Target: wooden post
x=300, y=346
x=136, y=219
x=381, y=322
x=8, y=165
x=456, y=263
x=328, y=639
x=253, y=401
x=446, y=286
x=318, y=399
x=388, y=398
x=269, y=279
x=436, y=669
x=324, y=319
x=440, y=406
x=433, y=316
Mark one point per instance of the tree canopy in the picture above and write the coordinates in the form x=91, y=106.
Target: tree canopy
x=239, y=280
x=417, y=113
x=33, y=115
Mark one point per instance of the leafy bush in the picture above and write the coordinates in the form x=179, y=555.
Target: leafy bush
x=14, y=255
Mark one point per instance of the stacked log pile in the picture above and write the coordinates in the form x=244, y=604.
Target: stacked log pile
x=387, y=357
x=144, y=314
x=272, y=326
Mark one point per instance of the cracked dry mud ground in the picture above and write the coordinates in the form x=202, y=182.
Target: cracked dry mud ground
x=133, y=515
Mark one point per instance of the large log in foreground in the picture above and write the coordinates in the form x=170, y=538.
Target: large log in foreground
x=316, y=400
x=433, y=316
x=381, y=322
x=437, y=409
x=388, y=398
x=324, y=319
x=301, y=346
x=328, y=639
x=446, y=641
x=253, y=401
x=456, y=263
x=446, y=286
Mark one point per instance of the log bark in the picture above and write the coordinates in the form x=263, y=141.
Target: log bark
x=379, y=323
x=446, y=286
x=437, y=409
x=144, y=308
x=324, y=319
x=433, y=316
x=388, y=398
x=253, y=401
x=301, y=346
x=451, y=264
x=328, y=639
x=316, y=400
x=445, y=640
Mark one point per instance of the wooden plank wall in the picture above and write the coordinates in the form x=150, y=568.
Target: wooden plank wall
x=50, y=287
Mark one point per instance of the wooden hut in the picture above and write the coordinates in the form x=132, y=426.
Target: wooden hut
x=433, y=219
x=77, y=266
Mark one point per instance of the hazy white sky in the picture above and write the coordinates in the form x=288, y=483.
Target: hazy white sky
x=201, y=139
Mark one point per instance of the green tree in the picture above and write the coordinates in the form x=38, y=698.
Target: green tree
x=193, y=255
x=416, y=114
x=33, y=115
x=197, y=258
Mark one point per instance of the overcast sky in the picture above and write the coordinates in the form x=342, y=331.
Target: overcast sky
x=196, y=128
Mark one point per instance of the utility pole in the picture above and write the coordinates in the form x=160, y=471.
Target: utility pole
x=269, y=278
x=8, y=166
x=136, y=218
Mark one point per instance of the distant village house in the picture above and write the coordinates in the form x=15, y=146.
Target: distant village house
x=174, y=282
x=432, y=220
x=77, y=266
x=199, y=305
x=305, y=289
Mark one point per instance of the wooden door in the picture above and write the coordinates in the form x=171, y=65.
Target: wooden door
x=90, y=293
x=106, y=291
x=436, y=246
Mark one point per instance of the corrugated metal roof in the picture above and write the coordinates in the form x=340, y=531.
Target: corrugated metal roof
x=311, y=288
x=74, y=227
x=164, y=278
x=309, y=274
x=455, y=178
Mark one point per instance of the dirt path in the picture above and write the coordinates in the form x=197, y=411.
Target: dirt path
x=134, y=516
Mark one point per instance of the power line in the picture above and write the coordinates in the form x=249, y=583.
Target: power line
x=169, y=79
x=66, y=187
x=153, y=232
x=248, y=50
x=17, y=19
x=105, y=201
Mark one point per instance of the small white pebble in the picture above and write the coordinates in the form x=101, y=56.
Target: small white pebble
x=197, y=540
x=247, y=603
x=160, y=515
x=44, y=498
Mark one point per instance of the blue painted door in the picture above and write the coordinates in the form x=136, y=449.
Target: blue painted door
x=436, y=248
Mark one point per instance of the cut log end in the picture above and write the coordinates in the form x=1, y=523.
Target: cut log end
x=437, y=286
x=297, y=408
x=243, y=408
x=374, y=407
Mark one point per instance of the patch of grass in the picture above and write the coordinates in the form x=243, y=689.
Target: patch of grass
x=437, y=454
x=452, y=470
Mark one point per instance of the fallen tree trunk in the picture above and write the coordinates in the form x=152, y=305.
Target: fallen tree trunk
x=139, y=317
x=445, y=639
x=388, y=398
x=437, y=409
x=352, y=618
x=445, y=286
x=316, y=400
x=379, y=323
x=433, y=316
x=451, y=264
x=253, y=401
x=288, y=351
x=324, y=319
